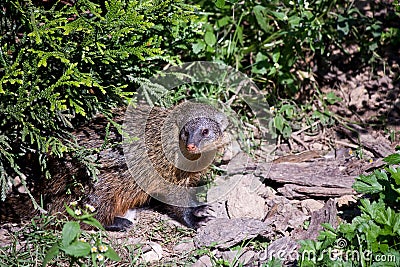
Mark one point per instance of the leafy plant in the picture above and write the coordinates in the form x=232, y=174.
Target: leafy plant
x=81, y=247
x=62, y=63
x=40, y=242
x=371, y=239
x=272, y=41
x=281, y=44
x=30, y=242
x=286, y=45
x=290, y=117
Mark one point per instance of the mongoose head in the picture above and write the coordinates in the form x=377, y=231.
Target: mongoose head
x=201, y=134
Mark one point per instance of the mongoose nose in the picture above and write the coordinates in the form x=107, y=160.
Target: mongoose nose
x=191, y=147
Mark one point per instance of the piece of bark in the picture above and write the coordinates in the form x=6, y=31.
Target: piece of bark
x=284, y=216
x=328, y=214
x=225, y=233
x=301, y=157
x=318, y=173
x=293, y=191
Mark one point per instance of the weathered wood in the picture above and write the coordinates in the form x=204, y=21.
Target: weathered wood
x=293, y=191
x=328, y=214
x=321, y=178
x=224, y=233
x=316, y=173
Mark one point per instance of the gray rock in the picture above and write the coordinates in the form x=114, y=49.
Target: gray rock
x=152, y=252
x=238, y=258
x=310, y=205
x=185, y=245
x=245, y=204
x=204, y=261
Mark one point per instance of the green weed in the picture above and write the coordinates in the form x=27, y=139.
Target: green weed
x=371, y=239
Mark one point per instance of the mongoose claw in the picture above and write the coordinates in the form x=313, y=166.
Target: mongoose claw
x=120, y=225
x=197, y=216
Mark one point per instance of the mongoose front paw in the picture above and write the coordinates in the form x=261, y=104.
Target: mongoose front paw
x=120, y=225
x=196, y=217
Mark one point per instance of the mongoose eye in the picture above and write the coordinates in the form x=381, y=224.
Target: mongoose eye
x=205, y=132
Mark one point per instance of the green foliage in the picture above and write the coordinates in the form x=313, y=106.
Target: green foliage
x=371, y=239
x=74, y=242
x=41, y=243
x=382, y=184
x=29, y=243
x=290, y=117
x=61, y=63
x=281, y=44
x=393, y=159
x=270, y=40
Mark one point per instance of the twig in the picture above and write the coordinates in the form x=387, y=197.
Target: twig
x=305, y=128
x=298, y=140
x=346, y=144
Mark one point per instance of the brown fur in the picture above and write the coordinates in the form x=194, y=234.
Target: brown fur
x=115, y=191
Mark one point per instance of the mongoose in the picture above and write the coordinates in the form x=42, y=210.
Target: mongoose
x=195, y=129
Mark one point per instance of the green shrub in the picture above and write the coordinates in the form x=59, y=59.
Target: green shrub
x=286, y=45
x=372, y=238
x=41, y=243
x=281, y=44
x=270, y=40
x=83, y=248
x=62, y=63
